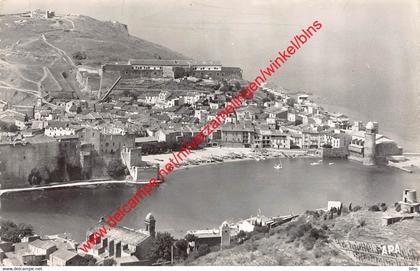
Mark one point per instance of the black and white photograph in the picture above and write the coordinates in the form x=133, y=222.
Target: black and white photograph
x=209, y=134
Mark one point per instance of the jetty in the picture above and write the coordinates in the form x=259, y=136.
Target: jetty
x=73, y=184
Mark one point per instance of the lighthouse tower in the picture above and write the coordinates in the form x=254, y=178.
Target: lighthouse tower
x=150, y=223
x=370, y=143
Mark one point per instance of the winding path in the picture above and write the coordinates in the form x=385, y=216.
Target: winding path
x=62, y=52
x=27, y=91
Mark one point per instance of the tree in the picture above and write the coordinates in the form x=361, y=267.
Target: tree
x=291, y=102
x=9, y=231
x=181, y=248
x=161, y=248
x=238, y=85
x=116, y=169
x=190, y=237
x=7, y=127
x=34, y=177
x=109, y=262
x=265, y=99
x=79, y=55
x=39, y=175
x=241, y=234
x=374, y=208
x=90, y=260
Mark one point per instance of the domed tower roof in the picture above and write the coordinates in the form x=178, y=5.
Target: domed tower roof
x=225, y=224
x=370, y=126
x=149, y=217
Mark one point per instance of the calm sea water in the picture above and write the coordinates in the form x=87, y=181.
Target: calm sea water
x=204, y=197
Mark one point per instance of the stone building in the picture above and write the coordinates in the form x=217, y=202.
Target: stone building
x=369, y=147
x=236, y=135
x=370, y=144
x=122, y=242
x=49, y=14
x=106, y=143
x=139, y=170
x=214, y=237
x=363, y=143
x=64, y=257
x=59, y=157
x=161, y=68
x=224, y=235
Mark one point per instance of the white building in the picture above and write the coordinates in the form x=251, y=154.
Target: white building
x=57, y=129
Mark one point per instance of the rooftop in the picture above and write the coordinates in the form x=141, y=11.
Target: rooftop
x=206, y=233
x=64, y=254
x=125, y=235
x=44, y=244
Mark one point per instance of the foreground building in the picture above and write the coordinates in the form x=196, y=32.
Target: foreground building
x=409, y=204
x=45, y=251
x=123, y=243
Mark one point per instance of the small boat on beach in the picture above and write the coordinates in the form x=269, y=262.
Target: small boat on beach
x=331, y=163
x=314, y=163
x=217, y=158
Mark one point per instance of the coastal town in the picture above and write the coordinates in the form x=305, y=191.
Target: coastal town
x=122, y=112
x=118, y=122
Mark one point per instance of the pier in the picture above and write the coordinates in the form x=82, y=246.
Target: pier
x=74, y=184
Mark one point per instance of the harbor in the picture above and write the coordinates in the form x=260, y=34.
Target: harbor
x=204, y=196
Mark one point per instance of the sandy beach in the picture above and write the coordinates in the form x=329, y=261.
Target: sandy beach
x=213, y=155
x=406, y=162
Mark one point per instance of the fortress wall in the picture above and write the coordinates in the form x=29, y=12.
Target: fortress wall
x=62, y=159
x=341, y=152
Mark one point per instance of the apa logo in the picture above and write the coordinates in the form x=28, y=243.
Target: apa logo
x=390, y=249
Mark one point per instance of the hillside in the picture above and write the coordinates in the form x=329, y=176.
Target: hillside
x=311, y=240
x=39, y=55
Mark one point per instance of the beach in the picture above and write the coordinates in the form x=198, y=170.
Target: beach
x=408, y=162
x=213, y=155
